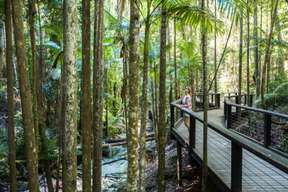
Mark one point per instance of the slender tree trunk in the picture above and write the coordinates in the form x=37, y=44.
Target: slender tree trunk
x=86, y=103
x=98, y=98
x=144, y=103
x=10, y=93
x=205, y=101
x=70, y=94
x=26, y=97
x=240, y=58
x=175, y=60
x=215, y=50
x=42, y=126
x=125, y=86
x=280, y=55
x=133, y=112
x=32, y=14
x=268, y=53
x=162, y=103
x=248, y=53
x=256, y=51
x=223, y=54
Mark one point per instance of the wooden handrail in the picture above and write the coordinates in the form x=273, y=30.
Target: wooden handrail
x=267, y=154
x=257, y=110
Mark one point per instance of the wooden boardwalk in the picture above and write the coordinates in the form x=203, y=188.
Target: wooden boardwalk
x=258, y=175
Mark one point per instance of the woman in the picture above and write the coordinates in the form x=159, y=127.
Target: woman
x=186, y=102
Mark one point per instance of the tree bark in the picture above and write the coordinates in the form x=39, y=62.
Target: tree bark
x=70, y=95
x=256, y=51
x=240, y=58
x=248, y=54
x=176, y=89
x=205, y=101
x=86, y=102
x=26, y=97
x=215, y=50
x=144, y=99
x=32, y=13
x=98, y=98
x=162, y=103
x=133, y=112
x=10, y=93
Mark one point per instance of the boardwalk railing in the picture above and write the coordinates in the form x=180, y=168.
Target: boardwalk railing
x=244, y=99
x=238, y=144
x=213, y=100
x=266, y=127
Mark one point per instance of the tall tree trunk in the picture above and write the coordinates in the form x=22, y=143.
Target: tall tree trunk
x=223, y=54
x=86, y=103
x=256, y=50
x=175, y=60
x=41, y=118
x=133, y=113
x=240, y=58
x=215, y=50
x=32, y=14
x=70, y=95
x=10, y=93
x=268, y=52
x=205, y=101
x=98, y=97
x=144, y=103
x=248, y=54
x=26, y=97
x=162, y=103
x=280, y=55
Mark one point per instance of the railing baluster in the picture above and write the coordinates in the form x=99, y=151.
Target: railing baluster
x=267, y=129
x=236, y=167
x=192, y=133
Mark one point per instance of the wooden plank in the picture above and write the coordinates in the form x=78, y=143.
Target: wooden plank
x=258, y=174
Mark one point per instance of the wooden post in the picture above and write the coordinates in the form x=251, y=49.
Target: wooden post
x=225, y=110
x=250, y=100
x=236, y=167
x=179, y=164
x=172, y=116
x=218, y=96
x=192, y=132
x=229, y=116
x=267, y=129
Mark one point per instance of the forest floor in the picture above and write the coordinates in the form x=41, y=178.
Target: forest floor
x=190, y=177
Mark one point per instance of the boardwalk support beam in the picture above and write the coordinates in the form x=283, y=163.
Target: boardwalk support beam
x=192, y=133
x=172, y=116
x=228, y=116
x=267, y=129
x=236, y=167
x=179, y=164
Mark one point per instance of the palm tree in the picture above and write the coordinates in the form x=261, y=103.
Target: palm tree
x=10, y=93
x=133, y=113
x=70, y=96
x=98, y=95
x=256, y=50
x=162, y=103
x=144, y=103
x=86, y=107
x=205, y=101
x=26, y=97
